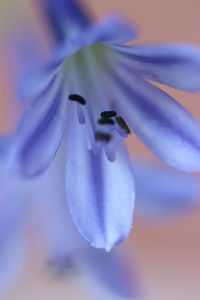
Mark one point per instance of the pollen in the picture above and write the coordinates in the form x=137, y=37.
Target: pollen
x=102, y=136
x=77, y=98
x=122, y=124
x=108, y=114
x=106, y=121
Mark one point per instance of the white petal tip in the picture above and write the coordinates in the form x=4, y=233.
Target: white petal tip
x=108, y=249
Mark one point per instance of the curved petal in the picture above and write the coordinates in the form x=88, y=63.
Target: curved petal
x=176, y=65
x=40, y=132
x=113, y=270
x=38, y=78
x=100, y=194
x=160, y=122
x=113, y=30
x=162, y=192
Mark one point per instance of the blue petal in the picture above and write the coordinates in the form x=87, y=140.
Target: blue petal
x=37, y=78
x=12, y=216
x=64, y=16
x=51, y=218
x=100, y=193
x=40, y=132
x=12, y=204
x=113, y=270
x=176, y=65
x=113, y=30
x=5, y=147
x=160, y=122
x=163, y=192
x=13, y=259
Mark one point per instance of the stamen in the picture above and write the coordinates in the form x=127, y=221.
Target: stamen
x=77, y=98
x=102, y=136
x=106, y=122
x=110, y=152
x=122, y=124
x=108, y=114
x=80, y=114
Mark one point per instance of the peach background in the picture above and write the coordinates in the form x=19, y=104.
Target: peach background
x=167, y=255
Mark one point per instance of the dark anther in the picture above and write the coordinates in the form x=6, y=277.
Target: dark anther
x=102, y=136
x=106, y=121
x=78, y=98
x=108, y=114
x=122, y=124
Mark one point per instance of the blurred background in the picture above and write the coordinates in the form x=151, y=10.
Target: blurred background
x=166, y=254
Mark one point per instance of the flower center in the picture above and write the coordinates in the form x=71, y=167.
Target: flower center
x=98, y=52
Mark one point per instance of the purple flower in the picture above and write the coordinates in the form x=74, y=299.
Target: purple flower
x=87, y=94
x=163, y=193
x=63, y=248
x=40, y=202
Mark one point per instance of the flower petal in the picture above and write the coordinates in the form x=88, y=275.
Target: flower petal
x=51, y=219
x=176, y=65
x=40, y=132
x=112, y=29
x=163, y=192
x=100, y=193
x=6, y=142
x=160, y=122
x=37, y=78
x=12, y=236
x=12, y=261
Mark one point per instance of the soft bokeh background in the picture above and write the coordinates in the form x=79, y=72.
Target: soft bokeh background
x=167, y=254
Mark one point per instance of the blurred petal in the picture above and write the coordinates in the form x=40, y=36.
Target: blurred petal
x=64, y=16
x=112, y=29
x=6, y=142
x=163, y=192
x=100, y=193
x=113, y=270
x=12, y=261
x=36, y=79
x=12, y=235
x=160, y=122
x=176, y=65
x=40, y=132
x=53, y=224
